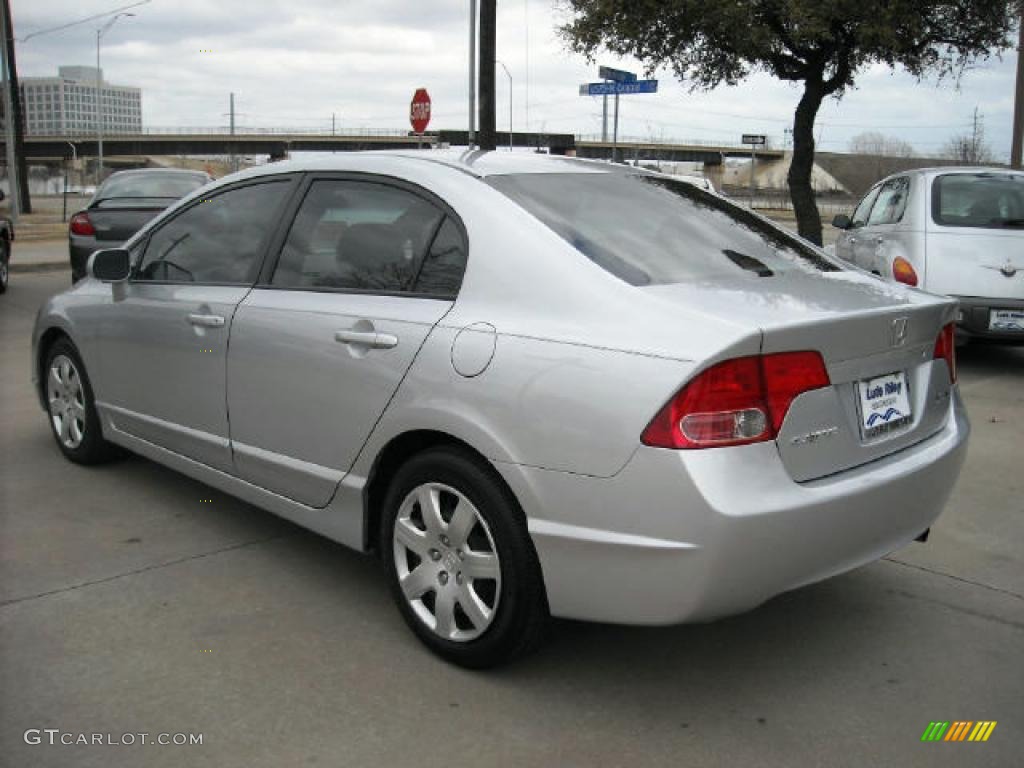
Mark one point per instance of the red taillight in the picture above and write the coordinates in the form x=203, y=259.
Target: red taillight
x=736, y=402
x=903, y=271
x=81, y=225
x=945, y=348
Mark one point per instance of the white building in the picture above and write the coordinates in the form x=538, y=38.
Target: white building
x=66, y=105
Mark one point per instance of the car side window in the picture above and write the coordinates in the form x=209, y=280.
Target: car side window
x=218, y=240
x=860, y=216
x=442, y=269
x=361, y=235
x=891, y=202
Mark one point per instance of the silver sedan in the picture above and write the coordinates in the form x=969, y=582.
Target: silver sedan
x=532, y=386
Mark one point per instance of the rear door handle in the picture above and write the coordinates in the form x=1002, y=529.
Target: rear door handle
x=879, y=240
x=370, y=339
x=206, y=321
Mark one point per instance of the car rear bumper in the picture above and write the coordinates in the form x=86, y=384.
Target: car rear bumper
x=682, y=536
x=80, y=249
x=973, y=319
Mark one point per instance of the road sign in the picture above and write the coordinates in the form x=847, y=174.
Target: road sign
x=757, y=139
x=618, y=75
x=613, y=88
x=419, y=110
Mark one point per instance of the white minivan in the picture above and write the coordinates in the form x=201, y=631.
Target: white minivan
x=954, y=231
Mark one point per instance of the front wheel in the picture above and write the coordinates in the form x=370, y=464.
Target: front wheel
x=460, y=561
x=71, y=407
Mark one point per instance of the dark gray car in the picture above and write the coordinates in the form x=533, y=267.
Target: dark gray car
x=122, y=204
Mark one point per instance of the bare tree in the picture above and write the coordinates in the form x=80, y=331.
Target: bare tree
x=969, y=148
x=876, y=143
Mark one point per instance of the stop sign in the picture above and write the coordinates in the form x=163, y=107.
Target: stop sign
x=419, y=110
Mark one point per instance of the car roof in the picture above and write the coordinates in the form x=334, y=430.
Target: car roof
x=478, y=163
x=161, y=171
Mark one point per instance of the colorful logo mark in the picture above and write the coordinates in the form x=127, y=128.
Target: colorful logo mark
x=959, y=730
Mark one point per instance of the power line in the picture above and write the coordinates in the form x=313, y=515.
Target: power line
x=95, y=16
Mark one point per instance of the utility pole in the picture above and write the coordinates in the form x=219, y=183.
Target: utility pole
x=472, y=71
x=14, y=116
x=615, y=131
x=488, y=45
x=974, y=138
x=1018, y=102
x=333, y=132
x=234, y=162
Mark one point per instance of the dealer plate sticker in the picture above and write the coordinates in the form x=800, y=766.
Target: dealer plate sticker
x=884, y=404
x=1006, y=320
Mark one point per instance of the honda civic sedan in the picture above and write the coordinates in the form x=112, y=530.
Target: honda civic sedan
x=532, y=386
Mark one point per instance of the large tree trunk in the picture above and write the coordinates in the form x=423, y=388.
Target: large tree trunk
x=808, y=220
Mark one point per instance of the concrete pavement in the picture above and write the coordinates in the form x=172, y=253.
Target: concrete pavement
x=134, y=600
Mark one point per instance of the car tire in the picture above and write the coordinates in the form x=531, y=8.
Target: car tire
x=478, y=621
x=5, y=263
x=71, y=407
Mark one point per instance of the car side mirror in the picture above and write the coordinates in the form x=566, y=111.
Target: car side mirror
x=842, y=221
x=112, y=265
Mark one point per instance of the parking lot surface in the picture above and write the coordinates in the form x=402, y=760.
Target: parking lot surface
x=135, y=600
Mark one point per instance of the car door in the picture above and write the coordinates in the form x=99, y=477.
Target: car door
x=163, y=339
x=849, y=238
x=319, y=347
x=879, y=235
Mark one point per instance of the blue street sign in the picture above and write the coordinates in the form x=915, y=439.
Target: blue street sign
x=618, y=75
x=610, y=89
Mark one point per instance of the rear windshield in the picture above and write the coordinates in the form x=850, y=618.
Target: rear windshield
x=650, y=230
x=141, y=186
x=987, y=200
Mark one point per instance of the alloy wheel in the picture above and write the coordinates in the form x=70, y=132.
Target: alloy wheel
x=446, y=562
x=66, y=398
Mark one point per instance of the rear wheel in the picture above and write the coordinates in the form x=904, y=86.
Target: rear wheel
x=461, y=564
x=5, y=263
x=72, y=410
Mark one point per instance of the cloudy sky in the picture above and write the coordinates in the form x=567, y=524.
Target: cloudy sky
x=294, y=64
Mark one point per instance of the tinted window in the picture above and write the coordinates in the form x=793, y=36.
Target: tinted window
x=891, y=202
x=987, y=200
x=648, y=230
x=167, y=186
x=860, y=216
x=441, y=273
x=219, y=240
x=357, y=235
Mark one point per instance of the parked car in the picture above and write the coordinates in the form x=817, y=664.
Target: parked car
x=532, y=385
x=6, y=240
x=124, y=202
x=954, y=231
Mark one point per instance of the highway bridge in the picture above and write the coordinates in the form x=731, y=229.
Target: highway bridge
x=278, y=143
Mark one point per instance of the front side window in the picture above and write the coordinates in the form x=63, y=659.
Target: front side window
x=860, y=216
x=987, y=200
x=891, y=202
x=218, y=240
x=365, y=236
x=651, y=230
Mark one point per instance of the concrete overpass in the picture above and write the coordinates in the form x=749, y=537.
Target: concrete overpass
x=277, y=143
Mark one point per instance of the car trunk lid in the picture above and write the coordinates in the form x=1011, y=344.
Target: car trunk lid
x=984, y=263
x=865, y=329
x=117, y=219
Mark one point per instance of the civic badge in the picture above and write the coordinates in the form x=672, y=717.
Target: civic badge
x=899, y=332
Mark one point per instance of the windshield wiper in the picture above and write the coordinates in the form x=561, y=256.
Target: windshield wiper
x=748, y=263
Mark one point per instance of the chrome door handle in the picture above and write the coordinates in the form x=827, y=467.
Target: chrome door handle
x=852, y=240
x=370, y=339
x=206, y=321
x=879, y=240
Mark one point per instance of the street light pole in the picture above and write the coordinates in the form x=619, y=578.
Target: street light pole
x=502, y=65
x=99, y=96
